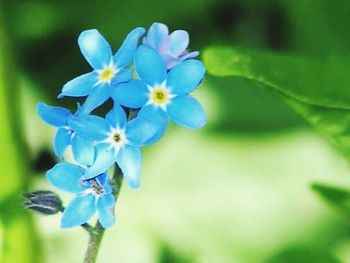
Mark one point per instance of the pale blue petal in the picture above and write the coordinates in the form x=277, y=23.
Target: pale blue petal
x=80, y=86
x=157, y=36
x=178, y=42
x=149, y=65
x=66, y=176
x=116, y=117
x=83, y=150
x=172, y=61
x=105, y=209
x=129, y=160
x=132, y=94
x=55, y=116
x=123, y=75
x=104, y=160
x=157, y=115
x=95, y=48
x=186, y=111
x=190, y=55
x=126, y=52
x=140, y=130
x=96, y=98
x=61, y=141
x=185, y=77
x=103, y=181
x=78, y=211
x=90, y=127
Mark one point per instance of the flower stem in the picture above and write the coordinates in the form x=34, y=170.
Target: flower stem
x=96, y=232
x=96, y=235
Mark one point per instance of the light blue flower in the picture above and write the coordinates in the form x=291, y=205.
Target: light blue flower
x=163, y=94
x=93, y=195
x=173, y=47
x=117, y=141
x=82, y=148
x=108, y=69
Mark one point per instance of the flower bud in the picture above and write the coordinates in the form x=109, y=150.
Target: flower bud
x=43, y=202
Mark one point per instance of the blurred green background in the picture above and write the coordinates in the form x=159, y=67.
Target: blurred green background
x=236, y=191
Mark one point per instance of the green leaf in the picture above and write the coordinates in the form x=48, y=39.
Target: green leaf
x=320, y=83
x=320, y=98
x=336, y=196
x=303, y=255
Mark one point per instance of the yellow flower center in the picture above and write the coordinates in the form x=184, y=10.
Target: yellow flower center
x=117, y=137
x=107, y=74
x=160, y=96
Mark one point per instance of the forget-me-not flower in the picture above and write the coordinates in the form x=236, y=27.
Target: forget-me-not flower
x=108, y=69
x=82, y=148
x=172, y=47
x=117, y=141
x=92, y=195
x=163, y=94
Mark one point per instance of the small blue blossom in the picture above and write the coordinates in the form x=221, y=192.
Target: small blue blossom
x=117, y=140
x=92, y=195
x=83, y=149
x=172, y=47
x=108, y=69
x=161, y=94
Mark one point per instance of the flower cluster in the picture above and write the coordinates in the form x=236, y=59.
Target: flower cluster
x=149, y=80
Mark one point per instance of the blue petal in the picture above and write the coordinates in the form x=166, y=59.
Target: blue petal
x=66, y=176
x=105, y=158
x=83, y=150
x=78, y=211
x=157, y=115
x=90, y=127
x=132, y=94
x=185, y=77
x=149, y=65
x=178, y=42
x=55, y=116
x=129, y=161
x=105, y=209
x=61, y=141
x=95, y=48
x=123, y=75
x=126, y=52
x=140, y=130
x=116, y=117
x=103, y=180
x=80, y=86
x=186, y=111
x=157, y=35
x=96, y=98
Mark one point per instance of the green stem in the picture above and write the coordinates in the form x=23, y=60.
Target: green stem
x=96, y=233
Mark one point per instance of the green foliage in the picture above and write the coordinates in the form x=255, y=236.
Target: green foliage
x=303, y=255
x=318, y=91
x=14, y=170
x=338, y=197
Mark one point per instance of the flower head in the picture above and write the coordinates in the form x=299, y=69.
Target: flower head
x=83, y=149
x=172, y=47
x=92, y=195
x=161, y=94
x=117, y=141
x=108, y=69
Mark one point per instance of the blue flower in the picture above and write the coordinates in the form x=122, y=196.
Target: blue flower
x=116, y=141
x=173, y=47
x=91, y=195
x=83, y=149
x=163, y=94
x=108, y=70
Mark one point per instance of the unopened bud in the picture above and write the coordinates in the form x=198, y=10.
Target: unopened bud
x=43, y=202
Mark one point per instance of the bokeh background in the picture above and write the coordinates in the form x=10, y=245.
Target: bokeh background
x=236, y=191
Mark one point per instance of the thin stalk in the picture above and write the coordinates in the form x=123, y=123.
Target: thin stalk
x=96, y=233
